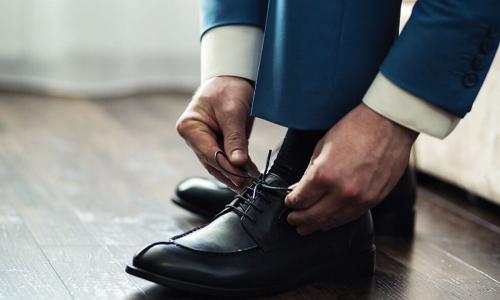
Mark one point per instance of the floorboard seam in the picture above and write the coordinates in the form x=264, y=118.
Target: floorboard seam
x=47, y=258
x=464, y=263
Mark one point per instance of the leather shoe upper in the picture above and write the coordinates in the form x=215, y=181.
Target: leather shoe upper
x=204, y=196
x=394, y=216
x=251, y=241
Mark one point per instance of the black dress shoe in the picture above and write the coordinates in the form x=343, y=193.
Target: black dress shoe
x=395, y=216
x=249, y=250
x=203, y=196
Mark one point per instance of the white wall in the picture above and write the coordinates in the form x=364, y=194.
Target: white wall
x=99, y=46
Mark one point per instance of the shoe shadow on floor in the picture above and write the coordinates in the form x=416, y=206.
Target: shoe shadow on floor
x=361, y=288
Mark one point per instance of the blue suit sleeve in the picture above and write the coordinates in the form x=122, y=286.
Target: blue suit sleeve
x=445, y=51
x=216, y=13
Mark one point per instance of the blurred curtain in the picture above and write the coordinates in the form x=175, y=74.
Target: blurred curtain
x=98, y=47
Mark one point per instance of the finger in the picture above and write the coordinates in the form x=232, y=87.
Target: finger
x=306, y=230
x=305, y=193
x=303, y=218
x=203, y=141
x=221, y=177
x=313, y=218
x=222, y=164
x=234, y=131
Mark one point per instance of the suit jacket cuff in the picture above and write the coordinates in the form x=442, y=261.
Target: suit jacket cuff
x=232, y=50
x=398, y=105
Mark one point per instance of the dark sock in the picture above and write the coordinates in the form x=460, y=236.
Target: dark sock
x=295, y=153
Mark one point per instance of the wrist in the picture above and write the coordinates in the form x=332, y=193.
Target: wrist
x=232, y=77
x=392, y=128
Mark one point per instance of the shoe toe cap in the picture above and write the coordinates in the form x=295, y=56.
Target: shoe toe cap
x=155, y=258
x=203, y=193
x=195, y=186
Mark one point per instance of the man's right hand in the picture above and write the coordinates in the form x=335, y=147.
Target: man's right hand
x=218, y=117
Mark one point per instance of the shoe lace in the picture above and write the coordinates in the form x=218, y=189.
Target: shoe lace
x=249, y=194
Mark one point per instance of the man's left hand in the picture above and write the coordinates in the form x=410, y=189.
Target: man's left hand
x=354, y=166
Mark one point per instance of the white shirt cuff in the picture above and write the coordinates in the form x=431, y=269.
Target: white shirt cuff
x=232, y=50
x=398, y=105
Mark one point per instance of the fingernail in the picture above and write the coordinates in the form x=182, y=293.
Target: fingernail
x=237, y=155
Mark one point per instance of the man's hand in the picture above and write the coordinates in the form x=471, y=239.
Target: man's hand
x=218, y=117
x=354, y=166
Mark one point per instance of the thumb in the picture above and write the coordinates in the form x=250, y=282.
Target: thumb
x=235, y=141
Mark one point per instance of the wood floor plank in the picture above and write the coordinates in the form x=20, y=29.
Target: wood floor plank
x=442, y=269
x=468, y=241
x=25, y=272
x=103, y=203
x=91, y=272
x=49, y=220
x=106, y=195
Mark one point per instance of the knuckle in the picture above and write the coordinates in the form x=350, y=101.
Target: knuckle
x=182, y=125
x=234, y=137
x=349, y=189
x=229, y=107
x=322, y=177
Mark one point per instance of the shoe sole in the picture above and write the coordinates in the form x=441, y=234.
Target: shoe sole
x=361, y=265
x=192, y=208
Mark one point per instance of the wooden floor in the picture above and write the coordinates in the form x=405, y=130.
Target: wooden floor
x=84, y=184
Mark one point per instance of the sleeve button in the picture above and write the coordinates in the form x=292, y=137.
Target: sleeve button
x=470, y=79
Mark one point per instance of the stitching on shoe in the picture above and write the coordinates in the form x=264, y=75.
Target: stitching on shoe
x=143, y=250
x=201, y=252
x=175, y=237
